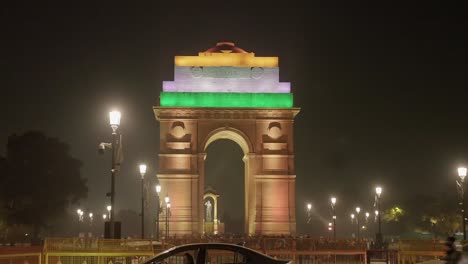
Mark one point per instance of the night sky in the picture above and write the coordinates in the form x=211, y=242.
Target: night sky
x=382, y=90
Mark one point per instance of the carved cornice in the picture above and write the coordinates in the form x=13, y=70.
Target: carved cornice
x=163, y=113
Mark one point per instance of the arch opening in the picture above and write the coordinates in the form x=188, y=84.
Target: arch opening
x=225, y=172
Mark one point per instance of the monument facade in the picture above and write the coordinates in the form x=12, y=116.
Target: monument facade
x=228, y=93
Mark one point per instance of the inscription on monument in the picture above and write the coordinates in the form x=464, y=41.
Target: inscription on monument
x=222, y=72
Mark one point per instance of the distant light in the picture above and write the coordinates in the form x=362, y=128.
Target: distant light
x=109, y=208
x=90, y=215
x=358, y=209
x=166, y=199
x=158, y=188
x=376, y=212
x=142, y=170
x=352, y=216
x=378, y=190
x=462, y=172
x=333, y=200
x=309, y=206
x=329, y=224
x=114, y=118
x=168, y=205
x=104, y=216
x=367, y=214
x=78, y=211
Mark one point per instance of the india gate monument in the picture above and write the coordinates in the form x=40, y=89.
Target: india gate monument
x=228, y=93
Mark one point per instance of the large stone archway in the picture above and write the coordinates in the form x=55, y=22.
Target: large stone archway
x=263, y=129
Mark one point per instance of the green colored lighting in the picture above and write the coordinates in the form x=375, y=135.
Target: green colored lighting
x=254, y=100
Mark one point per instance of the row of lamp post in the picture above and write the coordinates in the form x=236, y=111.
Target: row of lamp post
x=143, y=168
x=333, y=200
x=115, y=146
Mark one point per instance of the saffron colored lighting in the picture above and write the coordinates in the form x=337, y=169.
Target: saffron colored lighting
x=226, y=59
x=240, y=100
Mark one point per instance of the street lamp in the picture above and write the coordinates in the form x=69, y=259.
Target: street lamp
x=142, y=173
x=80, y=214
x=114, y=120
x=158, y=209
x=358, y=210
x=367, y=217
x=109, y=209
x=462, y=175
x=104, y=217
x=378, y=192
x=168, y=208
x=309, y=210
x=333, y=202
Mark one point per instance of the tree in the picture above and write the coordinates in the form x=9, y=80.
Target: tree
x=40, y=180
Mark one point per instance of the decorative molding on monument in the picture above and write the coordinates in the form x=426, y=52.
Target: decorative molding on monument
x=162, y=113
x=176, y=176
x=267, y=177
x=276, y=155
x=180, y=155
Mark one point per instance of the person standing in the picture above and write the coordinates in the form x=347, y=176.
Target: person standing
x=452, y=255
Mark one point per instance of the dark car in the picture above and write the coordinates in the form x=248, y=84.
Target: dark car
x=214, y=253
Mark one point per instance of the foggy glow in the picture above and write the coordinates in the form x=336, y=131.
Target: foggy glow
x=358, y=209
x=142, y=169
x=462, y=172
x=309, y=206
x=378, y=190
x=333, y=200
x=114, y=118
x=255, y=100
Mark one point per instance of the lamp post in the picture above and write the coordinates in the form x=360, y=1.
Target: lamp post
x=79, y=212
x=142, y=173
x=358, y=210
x=114, y=120
x=462, y=175
x=333, y=202
x=309, y=211
x=109, y=209
x=168, y=208
x=80, y=215
x=158, y=209
x=378, y=192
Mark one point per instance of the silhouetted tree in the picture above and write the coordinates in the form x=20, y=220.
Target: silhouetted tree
x=39, y=180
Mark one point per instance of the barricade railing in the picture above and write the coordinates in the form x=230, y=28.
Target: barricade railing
x=300, y=249
x=21, y=255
